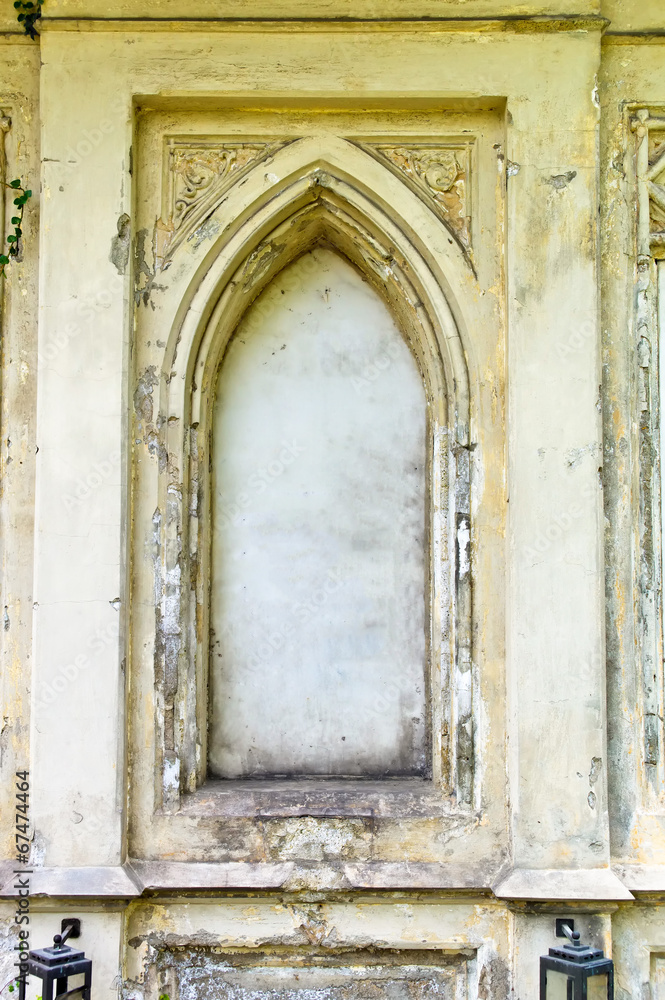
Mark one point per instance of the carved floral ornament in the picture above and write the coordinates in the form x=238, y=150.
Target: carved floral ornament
x=439, y=174
x=199, y=174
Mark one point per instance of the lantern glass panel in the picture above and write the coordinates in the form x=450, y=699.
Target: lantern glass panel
x=560, y=986
x=596, y=988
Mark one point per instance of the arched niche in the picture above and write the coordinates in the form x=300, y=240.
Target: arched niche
x=341, y=202
x=318, y=660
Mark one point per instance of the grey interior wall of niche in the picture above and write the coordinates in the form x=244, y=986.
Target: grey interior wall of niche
x=318, y=571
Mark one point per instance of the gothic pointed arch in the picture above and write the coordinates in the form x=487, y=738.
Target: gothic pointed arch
x=342, y=196
x=309, y=195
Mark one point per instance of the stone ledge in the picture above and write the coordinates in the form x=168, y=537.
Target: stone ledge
x=642, y=878
x=420, y=875
x=135, y=878
x=551, y=884
x=410, y=799
x=160, y=876
x=420, y=10
x=108, y=882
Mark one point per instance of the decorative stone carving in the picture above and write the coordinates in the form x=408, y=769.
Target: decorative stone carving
x=650, y=177
x=198, y=175
x=650, y=170
x=656, y=186
x=439, y=174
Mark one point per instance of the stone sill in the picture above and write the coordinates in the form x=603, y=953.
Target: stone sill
x=390, y=798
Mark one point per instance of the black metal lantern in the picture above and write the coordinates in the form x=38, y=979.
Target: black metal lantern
x=575, y=971
x=56, y=964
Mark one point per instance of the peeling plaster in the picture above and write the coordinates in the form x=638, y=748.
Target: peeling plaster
x=560, y=181
x=119, y=255
x=143, y=402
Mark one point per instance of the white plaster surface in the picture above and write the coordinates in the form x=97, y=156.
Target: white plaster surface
x=318, y=590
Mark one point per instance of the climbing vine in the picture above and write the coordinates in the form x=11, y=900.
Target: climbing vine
x=17, y=223
x=31, y=11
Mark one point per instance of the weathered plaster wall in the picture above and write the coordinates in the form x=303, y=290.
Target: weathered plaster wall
x=19, y=101
x=633, y=16
x=473, y=934
x=314, y=140
x=552, y=133
x=554, y=809
x=632, y=77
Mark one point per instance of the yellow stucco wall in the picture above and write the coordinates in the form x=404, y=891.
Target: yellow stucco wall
x=566, y=810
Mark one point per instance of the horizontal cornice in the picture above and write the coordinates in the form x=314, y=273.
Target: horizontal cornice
x=535, y=24
x=137, y=878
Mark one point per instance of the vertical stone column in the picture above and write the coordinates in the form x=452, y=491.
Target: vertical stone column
x=81, y=502
x=555, y=641
x=19, y=157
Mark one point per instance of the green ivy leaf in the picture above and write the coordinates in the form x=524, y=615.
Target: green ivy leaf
x=18, y=233
x=4, y=259
x=16, y=221
x=16, y=183
x=28, y=194
x=11, y=239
